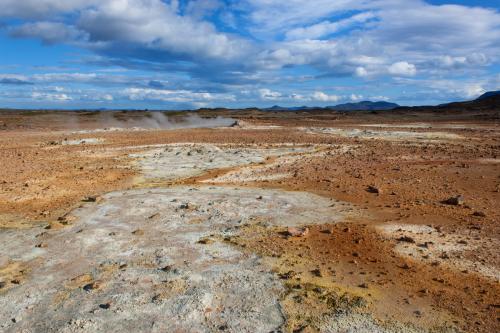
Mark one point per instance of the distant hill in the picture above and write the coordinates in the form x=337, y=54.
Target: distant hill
x=489, y=100
x=361, y=106
x=293, y=108
x=488, y=95
x=364, y=106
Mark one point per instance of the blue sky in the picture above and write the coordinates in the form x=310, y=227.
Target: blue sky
x=207, y=53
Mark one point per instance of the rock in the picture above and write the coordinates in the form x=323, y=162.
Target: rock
x=105, y=306
x=91, y=199
x=154, y=216
x=406, y=239
x=405, y=266
x=455, y=201
x=297, y=232
x=94, y=285
x=286, y=276
x=316, y=272
x=444, y=255
x=184, y=206
x=479, y=214
x=138, y=232
x=374, y=189
x=205, y=241
x=363, y=285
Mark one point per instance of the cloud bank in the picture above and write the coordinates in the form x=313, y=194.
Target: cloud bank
x=256, y=51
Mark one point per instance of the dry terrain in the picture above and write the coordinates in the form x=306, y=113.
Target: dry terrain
x=249, y=222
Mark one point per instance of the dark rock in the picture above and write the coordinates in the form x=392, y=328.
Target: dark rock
x=479, y=214
x=455, y=201
x=105, y=306
x=406, y=239
x=374, y=189
x=138, y=232
x=316, y=272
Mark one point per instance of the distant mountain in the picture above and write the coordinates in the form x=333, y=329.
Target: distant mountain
x=364, y=106
x=487, y=101
x=294, y=108
x=488, y=95
x=361, y=106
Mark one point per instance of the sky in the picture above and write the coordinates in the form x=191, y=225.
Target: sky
x=160, y=54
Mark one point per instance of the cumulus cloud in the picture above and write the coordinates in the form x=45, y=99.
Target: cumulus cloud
x=220, y=47
x=14, y=80
x=322, y=97
x=402, y=68
x=267, y=94
x=327, y=27
x=50, y=97
x=48, y=32
x=36, y=9
x=177, y=96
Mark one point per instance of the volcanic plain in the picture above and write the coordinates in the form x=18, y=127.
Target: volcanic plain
x=249, y=221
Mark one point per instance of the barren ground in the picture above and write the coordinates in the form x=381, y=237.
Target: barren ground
x=187, y=229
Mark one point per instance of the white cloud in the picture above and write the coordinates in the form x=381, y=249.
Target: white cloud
x=356, y=98
x=267, y=94
x=365, y=39
x=155, y=26
x=326, y=27
x=41, y=8
x=48, y=32
x=402, y=68
x=50, y=97
x=322, y=97
x=177, y=96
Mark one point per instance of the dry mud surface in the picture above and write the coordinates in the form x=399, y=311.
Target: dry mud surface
x=270, y=225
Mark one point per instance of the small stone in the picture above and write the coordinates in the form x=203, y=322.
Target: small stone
x=479, y=214
x=363, y=285
x=138, y=232
x=406, y=239
x=316, y=272
x=286, y=276
x=297, y=232
x=205, y=241
x=455, y=201
x=374, y=189
x=444, y=255
x=91, y=199
x=405, y=266
x=92, y=286
x=105, y=306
